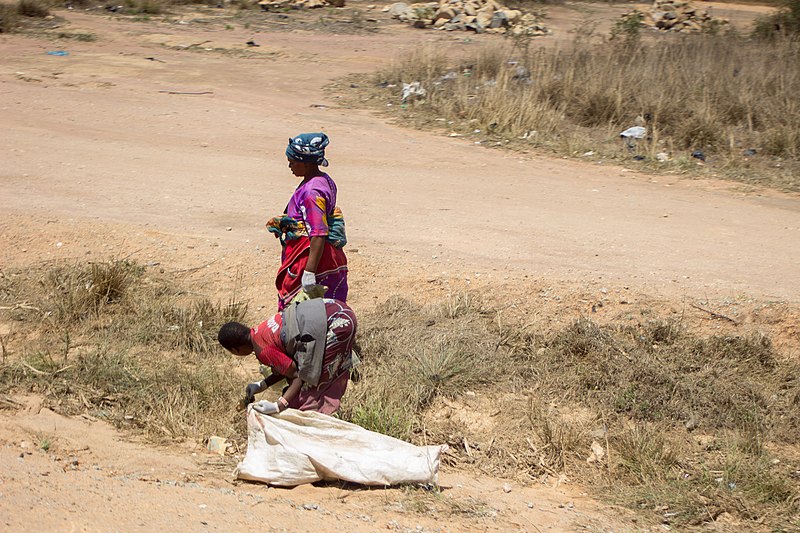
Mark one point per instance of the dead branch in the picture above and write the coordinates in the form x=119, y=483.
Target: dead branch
x=34, y=370
x=716, y=315
x=187, y=92
x=21, y=305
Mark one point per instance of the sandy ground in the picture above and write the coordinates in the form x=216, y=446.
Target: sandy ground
x=101, y=159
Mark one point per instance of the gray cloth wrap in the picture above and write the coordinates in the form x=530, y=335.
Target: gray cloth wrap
x=303, y=333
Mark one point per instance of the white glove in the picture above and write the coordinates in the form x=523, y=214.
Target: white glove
x=308, y=280
x=266, y=408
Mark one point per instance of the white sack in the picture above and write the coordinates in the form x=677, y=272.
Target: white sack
x=296, y=447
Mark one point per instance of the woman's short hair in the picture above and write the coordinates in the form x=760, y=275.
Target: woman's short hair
x=233, y=335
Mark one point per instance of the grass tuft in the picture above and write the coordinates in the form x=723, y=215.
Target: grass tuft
x=33, y=8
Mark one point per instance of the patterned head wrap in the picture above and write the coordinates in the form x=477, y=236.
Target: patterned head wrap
x=308, y=148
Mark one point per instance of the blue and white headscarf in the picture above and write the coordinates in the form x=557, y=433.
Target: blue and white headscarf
x=308, y=148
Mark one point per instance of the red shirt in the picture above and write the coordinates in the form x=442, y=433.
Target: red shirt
x=269, y=348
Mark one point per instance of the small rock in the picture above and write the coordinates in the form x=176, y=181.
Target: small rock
x=597, y=454
x=310, y=506
x=506, y=488
x=229, y=228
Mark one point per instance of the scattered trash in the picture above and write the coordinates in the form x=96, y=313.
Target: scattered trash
x=634, y=132
x=413, y=89
x=662, y=157
x=154, y=59
x=252, y=43
x=750, y=152
x=217, y=445
x=269, y=5
x=639, y=158
x=506, y=488
x=698, y=154
x=60, y=53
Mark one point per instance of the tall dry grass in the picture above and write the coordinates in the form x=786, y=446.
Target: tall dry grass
x=720, y=94
x=691, y=426
x=123, y=343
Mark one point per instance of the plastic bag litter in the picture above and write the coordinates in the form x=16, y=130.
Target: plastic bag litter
x=414, y=88
x=296, y=447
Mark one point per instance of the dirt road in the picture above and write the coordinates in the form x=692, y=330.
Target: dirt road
x=103, y=154
x=93, y=135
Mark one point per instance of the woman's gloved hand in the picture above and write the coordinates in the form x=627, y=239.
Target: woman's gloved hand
x=308, y=280
x=266, y=408
x=250, y=393
x=251, y=390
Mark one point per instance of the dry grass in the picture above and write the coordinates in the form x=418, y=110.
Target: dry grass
x=688, y=424
x=112, y=339
x=33, y=8
x=9, y=18
x=12, y=15
x=720, y=94
x=691, y=428
x=785, y=22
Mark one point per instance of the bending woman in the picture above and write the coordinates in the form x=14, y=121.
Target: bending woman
x=312, y=228
x=287, y=353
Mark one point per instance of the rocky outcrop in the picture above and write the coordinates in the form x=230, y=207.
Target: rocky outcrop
x=677, y=16
x=480, y=16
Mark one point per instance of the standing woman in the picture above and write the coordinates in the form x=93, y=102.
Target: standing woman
x=312, y=228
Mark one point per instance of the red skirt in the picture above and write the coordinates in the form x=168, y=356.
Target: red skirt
x=331, y=271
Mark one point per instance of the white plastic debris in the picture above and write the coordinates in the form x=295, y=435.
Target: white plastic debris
x=413, y=89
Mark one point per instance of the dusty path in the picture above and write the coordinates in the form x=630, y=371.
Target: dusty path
x=95, y=159
x=89, y=479
x=90, y=135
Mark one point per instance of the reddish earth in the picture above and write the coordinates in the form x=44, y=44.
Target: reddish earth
x=100, y=160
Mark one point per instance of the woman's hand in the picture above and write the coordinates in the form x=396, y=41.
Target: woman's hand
x=266, y=408
x=308, y=280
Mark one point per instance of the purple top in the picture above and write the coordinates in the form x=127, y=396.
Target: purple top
x=313, y=202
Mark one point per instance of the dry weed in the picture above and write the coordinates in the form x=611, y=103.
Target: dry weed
x=639, y=392
x=99, y=339
x=718, y=94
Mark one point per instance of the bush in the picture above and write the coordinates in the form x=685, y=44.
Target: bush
x=783, y=23
x=9, y=17
x=33, y=8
